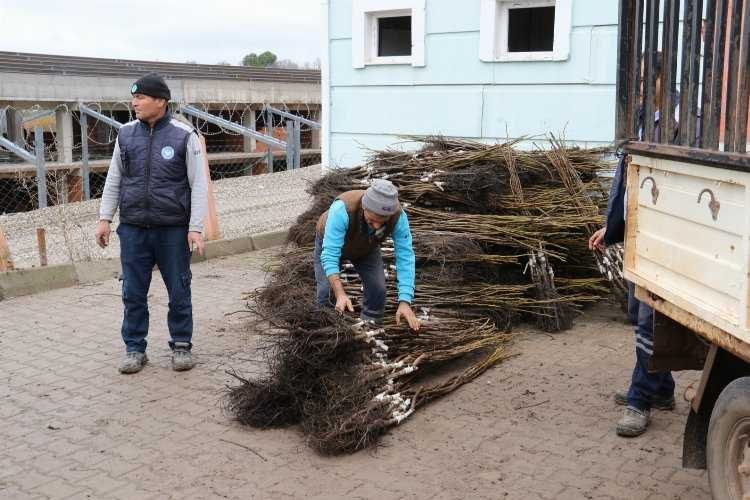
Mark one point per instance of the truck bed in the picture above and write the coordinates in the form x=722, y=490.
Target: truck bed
x=686, y=244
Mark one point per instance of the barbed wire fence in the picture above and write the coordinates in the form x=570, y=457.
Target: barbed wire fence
x=248, y=201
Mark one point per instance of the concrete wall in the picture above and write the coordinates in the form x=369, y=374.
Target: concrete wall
x=457, y=94
x=23, y=89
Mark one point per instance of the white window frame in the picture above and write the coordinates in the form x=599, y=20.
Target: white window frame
x=493, y=36
x=365, y=15
x=373, y=36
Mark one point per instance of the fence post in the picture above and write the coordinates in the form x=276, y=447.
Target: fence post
x=6, y=262
x=290, y=145
x=41, y=178
x=249, y=143
x=297, y=144
x=269, y=131
x=41, y=240
x=85, y=155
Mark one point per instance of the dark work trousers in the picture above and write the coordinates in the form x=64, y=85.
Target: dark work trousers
x=140, y=249
x=644, y=385
x=371, y=272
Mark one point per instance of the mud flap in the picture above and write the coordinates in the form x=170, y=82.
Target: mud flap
x=676, y=347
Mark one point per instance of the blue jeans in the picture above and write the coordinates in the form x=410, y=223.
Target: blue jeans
x=371, y=272
x=140, y=249
x=645, y=385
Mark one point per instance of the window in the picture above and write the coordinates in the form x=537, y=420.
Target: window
x=387, y=32
x=525, y=30
x=394, y=36
x=531, y=29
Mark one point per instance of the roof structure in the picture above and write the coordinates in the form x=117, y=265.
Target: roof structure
x=20, y=62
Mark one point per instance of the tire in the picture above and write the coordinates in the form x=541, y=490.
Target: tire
x=728, y=444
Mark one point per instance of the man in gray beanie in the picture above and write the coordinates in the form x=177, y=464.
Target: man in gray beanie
x=353, y=228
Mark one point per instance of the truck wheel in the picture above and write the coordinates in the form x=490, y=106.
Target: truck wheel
x=728, y=446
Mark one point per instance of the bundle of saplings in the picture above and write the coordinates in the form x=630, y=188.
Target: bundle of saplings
x=500, y=237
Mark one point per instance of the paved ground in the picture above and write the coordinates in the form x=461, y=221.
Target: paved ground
x=538, y=426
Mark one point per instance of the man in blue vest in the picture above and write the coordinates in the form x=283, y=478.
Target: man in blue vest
x=156, y=179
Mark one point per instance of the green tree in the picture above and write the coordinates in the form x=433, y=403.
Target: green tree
x=267, y=58
x=263, y=60
x=250, y=59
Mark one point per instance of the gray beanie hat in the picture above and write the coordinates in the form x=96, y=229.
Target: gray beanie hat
x=381, y=198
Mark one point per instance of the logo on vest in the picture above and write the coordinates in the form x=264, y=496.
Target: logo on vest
x=167, y=152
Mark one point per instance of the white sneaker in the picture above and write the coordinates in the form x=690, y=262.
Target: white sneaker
x=633, y=423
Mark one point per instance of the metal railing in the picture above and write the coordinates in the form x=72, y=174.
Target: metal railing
x=292, y=146
x=37, y=158
x=293, y=127
x=85, y=170
x=240, y=129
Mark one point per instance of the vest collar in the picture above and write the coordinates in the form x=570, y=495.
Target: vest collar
x=161, y=122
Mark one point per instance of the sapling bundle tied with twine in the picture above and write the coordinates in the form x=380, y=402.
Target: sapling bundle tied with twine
x=500, y=236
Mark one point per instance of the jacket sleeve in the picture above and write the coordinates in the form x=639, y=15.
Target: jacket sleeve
x=615, y=219
x=333, y=239
x=111, y=194
x=198, y=183
x=405, y=260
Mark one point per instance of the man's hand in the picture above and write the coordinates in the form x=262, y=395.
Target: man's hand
x=102, y=233
x=195, y=241
x=595, y=242
x=404, y=310
x=343, y=302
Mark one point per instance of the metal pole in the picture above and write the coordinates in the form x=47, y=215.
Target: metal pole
x=269, y=131
x=41, y=178
x=39, y=114
x=297, y=143
x=229, y=125
x=292, y=116
x=85, y=156
x=18, y=151
x=95, y=114
x=290, y=144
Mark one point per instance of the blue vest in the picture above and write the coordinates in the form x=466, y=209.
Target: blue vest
x=154, y=189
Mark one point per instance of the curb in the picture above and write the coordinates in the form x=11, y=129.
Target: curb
x=40, y=279
x=30, y=281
